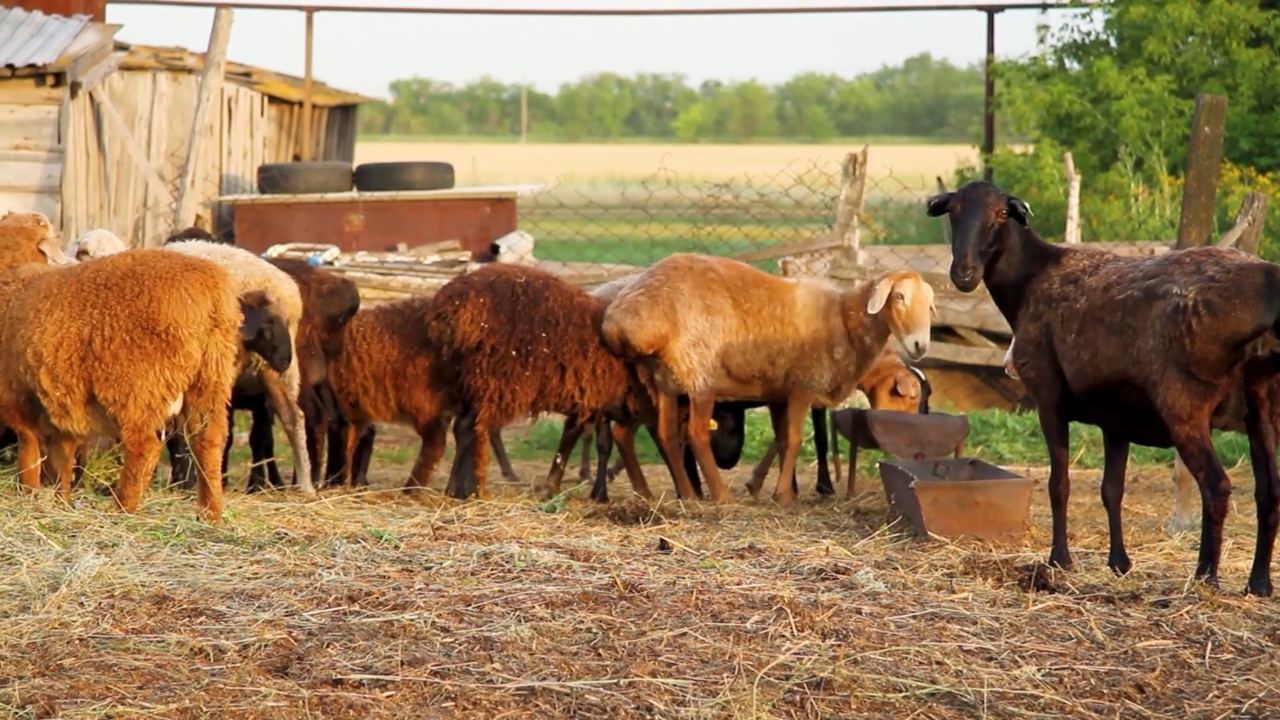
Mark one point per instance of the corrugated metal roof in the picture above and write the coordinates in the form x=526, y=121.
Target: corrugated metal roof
x=32, y=38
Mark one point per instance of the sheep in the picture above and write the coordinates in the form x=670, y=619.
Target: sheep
x=1228, y=415
x=119, y=346
x=328, y=303
x=29, y=238
x=1144, y=348
x=388, y=370
x=94, y=244
x=520, y=341
x=251, y=272
x=713, y=327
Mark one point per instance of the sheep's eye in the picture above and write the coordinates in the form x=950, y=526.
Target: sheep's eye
x=899, y=297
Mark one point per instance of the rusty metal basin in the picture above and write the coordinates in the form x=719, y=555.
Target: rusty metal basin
x=958, y=497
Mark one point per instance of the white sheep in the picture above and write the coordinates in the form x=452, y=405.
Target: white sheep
x=250, y=272
x=716, y=328
x=95, y=244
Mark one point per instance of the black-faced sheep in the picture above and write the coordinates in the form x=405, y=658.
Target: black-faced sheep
x=521, y=342
x=1192, y=326
x=118, y=347
x=713, y=327
x=251, y=272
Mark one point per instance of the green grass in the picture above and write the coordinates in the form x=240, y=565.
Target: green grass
x=496, y=139
x=997, y=436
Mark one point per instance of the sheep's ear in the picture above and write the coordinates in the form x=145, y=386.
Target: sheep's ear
x=1019, y=209
x=937, y=205
x=253, y=307
x=53, y=253
x=879, y=296
x=904, y=385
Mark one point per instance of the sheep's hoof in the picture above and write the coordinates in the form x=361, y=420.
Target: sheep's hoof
x=1119, y=563
x=1258, y=586
x=541, y=491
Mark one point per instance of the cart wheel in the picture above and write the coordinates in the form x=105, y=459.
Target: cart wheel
x=289, y=178
x=389, y=176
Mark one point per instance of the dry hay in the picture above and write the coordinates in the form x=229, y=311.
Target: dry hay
x=371, y=604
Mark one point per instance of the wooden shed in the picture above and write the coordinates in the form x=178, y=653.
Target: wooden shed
x=103, y=127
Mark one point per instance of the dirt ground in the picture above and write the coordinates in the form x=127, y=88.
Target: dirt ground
x=373, y=604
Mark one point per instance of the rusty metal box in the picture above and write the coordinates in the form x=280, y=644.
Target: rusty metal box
x=958, y=497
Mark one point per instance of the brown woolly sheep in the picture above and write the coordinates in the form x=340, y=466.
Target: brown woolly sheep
x=118, y=346
x=28, y=238
x=520, y=341
x=387, y=370
x=713, y=327
x=1196, y=325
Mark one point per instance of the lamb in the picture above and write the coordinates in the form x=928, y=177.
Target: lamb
x=713, y=327
x=94, y=244
x=165, y=332
x=1196, y=325
x=520, y=341
x=253, y=273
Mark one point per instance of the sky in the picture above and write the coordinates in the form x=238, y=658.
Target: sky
x=364, y=52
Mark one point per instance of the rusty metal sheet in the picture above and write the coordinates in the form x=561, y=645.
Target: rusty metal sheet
x=375, y=226
x=958, y=497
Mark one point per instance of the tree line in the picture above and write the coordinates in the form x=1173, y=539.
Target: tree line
x=923, y=97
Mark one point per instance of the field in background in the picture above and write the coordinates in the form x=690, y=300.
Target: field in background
x=603, y=164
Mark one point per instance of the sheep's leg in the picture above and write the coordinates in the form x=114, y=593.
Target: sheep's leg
x=352, y=437
x=835, y=455
x=500, y=453
x=1183, y=487
x=285, y=403
x=701, y=406
x=181, y=474
x=141, y=455
x=433, y=435
x=669, y=441
x=1116, y=460
x=29, y=457
x=1260, y=423
x=761, y=470
x=783, y=493
x=569, y=436
x=82, y=459
x=62, y=460
x=1196, y=449
x=363, y=455
x=336, y=454
x=824, y=486
x=262, y=446
x=206, y=445
x=619, y=465
x=463, y=480
x=624, y=435
x=1053, y=424
x=604, y=448
x=584, y=470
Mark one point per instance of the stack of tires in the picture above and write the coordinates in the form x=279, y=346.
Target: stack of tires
x=336, y=176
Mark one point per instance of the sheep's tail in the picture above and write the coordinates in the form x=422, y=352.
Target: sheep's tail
x=631, y=338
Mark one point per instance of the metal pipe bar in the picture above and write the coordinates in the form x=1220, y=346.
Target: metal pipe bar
x=599, y=12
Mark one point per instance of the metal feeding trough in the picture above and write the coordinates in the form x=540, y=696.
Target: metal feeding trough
x=900, y=434
x=958, y=497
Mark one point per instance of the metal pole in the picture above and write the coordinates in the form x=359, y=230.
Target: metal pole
x=306, y=89
x=988, y=97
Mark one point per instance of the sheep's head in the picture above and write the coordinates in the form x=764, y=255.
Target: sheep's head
x=899, y=391
x=95, y=243
x=979, y=213
x=195, y=233
x=905, y=302
x=729, y=435
x=263, y=330
x=29, y=238
x=331, y=303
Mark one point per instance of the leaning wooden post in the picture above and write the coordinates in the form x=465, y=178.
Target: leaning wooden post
x=1204, y=161
x=853, y=188
x=1072, y=234
x=1247, y=232
x=203, y=122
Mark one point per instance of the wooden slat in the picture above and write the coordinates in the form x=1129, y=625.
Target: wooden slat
x=965, y=354
x=795, y=248
x=117, y=124
x=26, y=91
x=29, y=127
x=39, y=172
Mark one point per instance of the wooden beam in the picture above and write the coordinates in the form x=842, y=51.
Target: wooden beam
x=1247, y=231
x=853, y=189
x=307, y=81
x=116, y=121
x=1072, y=234
x=817, y=244
x=202, y=125
x=965, y=355
x=1204, y=161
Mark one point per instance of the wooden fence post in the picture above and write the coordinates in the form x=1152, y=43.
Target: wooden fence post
x=1072, y=234
x=853, y=189
x=1247, y=232
x=202, y=121
x=1204, y=160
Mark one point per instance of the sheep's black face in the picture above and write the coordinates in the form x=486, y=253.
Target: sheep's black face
x=266, y=334
x=729, y=437
x=978, y=212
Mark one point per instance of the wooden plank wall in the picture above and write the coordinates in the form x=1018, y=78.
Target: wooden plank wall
x=31, y=150
x=333, y=131
x=107, y=188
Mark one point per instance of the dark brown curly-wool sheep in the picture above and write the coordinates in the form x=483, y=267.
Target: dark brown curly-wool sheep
x=519, y=342
x=387, y=371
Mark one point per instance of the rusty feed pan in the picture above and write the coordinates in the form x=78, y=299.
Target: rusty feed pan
x=958, y=497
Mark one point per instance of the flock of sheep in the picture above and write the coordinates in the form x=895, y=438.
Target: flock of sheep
x=156, y=346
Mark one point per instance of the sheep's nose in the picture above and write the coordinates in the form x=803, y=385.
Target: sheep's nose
x=918, y=349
